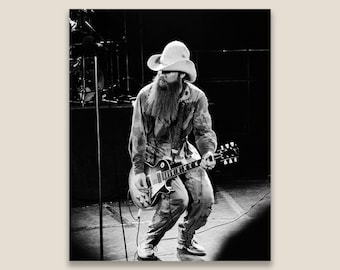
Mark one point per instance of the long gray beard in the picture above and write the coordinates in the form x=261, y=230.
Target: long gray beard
x=163, y=101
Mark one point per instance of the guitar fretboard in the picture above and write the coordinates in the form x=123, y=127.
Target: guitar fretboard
x=181, y=169
x=221, y=155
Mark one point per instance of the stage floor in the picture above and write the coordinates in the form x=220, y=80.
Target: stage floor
x=237, y=229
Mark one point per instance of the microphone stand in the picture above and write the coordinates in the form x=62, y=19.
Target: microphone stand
x=83, y=87
x=99, y=160
x=101, y=245
x=90, y=51
x=126, y=98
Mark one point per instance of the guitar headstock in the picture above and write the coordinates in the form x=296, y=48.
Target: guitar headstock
x=227, y=153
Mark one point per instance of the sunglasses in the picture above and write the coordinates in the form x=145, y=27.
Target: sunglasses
x=167, y=72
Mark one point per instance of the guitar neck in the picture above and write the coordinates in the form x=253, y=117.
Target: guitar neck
x=181, y=169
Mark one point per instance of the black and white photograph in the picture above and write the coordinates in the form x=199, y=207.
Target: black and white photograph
x=169, y=135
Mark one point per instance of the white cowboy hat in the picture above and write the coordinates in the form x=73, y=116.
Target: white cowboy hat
x=175, y=57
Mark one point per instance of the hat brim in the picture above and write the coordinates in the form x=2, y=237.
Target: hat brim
x=186, y=66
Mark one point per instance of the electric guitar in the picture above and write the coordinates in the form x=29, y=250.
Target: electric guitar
x=159, y=176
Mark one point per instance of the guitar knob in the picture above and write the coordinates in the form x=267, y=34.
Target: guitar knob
x=225, y=162
x=235, y=159
x=232, y=144
x=222, y=147
x=227, y=145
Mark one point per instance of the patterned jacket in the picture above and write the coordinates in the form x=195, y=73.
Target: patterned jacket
x=151, y=140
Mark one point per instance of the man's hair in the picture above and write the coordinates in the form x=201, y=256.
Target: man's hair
x=163, y=103
x=186, y=77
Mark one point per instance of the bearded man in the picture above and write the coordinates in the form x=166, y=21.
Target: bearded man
x=166, y=111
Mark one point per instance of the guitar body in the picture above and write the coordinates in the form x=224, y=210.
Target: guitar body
x=157, y=186
x=159, y=177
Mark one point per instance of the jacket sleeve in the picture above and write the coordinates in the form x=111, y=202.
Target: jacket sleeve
x=205, y=137
x=137, y=140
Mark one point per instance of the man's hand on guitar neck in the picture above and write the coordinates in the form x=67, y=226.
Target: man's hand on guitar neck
x=208, y=161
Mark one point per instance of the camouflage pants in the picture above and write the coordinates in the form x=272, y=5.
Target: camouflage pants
x=194, y=194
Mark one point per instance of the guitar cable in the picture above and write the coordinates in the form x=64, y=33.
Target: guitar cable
x=138, y=227
x=128, y=197
x=229, y=222
x=120, y=211
x=122, y=223
x=202, y=231
x=136, y=219
x=237, y=218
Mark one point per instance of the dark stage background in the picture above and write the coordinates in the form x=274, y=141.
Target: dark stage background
x=231, y=50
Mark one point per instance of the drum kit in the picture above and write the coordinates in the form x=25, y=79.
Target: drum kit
x=94, y=64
